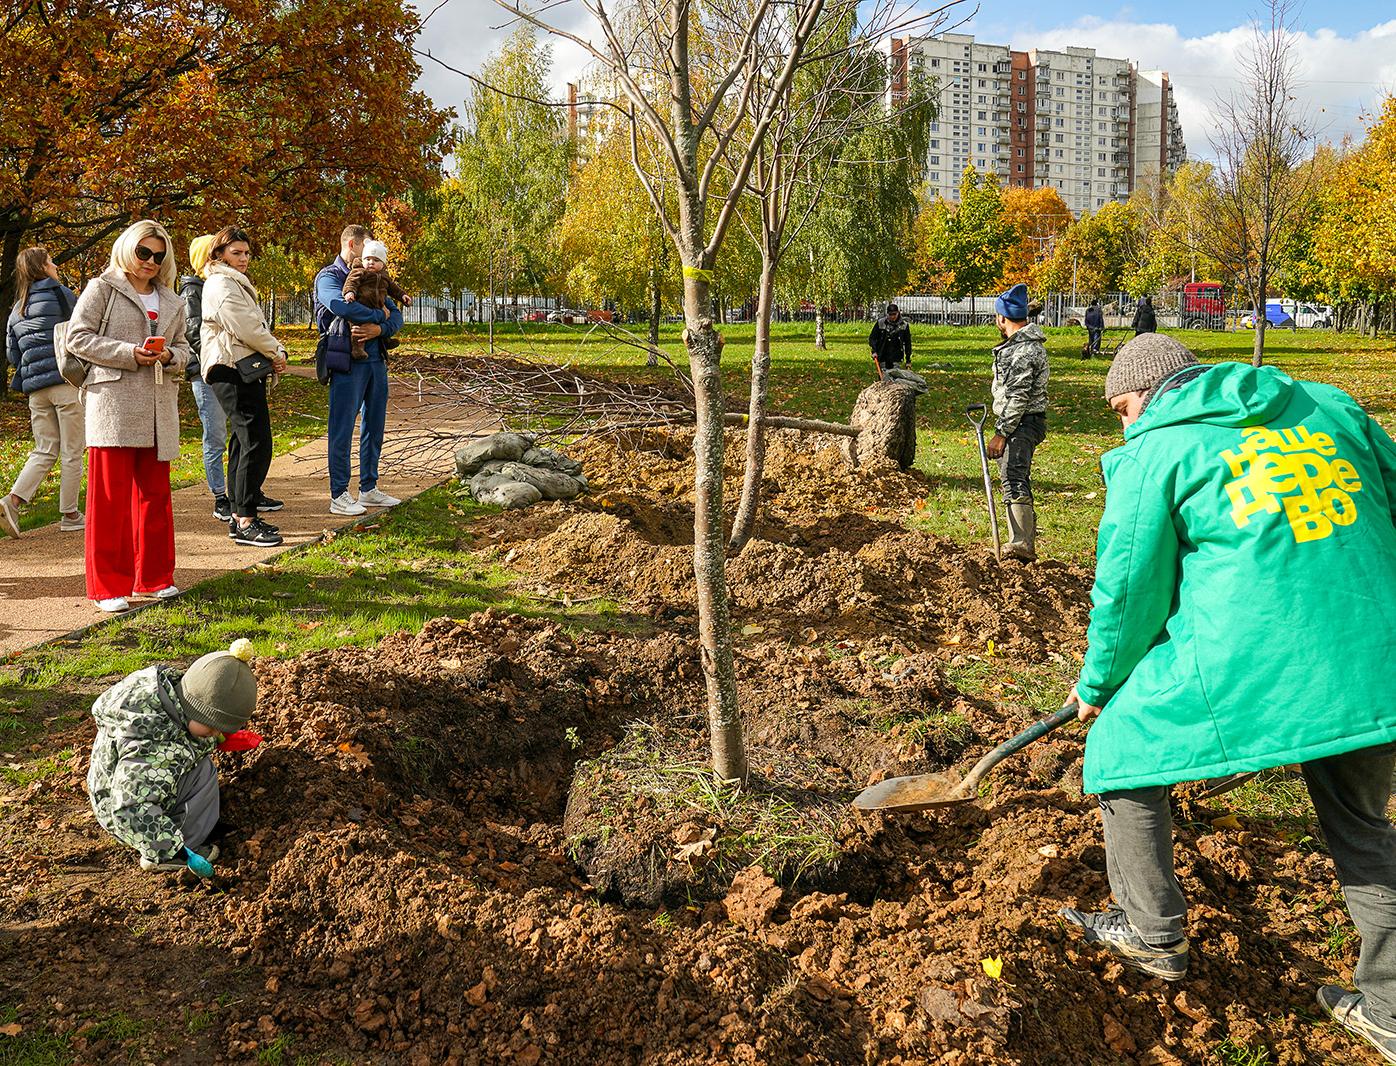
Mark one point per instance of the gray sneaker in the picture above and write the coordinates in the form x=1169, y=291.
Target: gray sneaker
x=1346, y=1009
x=1112, y=930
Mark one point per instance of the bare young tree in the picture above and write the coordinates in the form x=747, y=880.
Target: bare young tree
x=1260, y=183
x=841, y=90
x=690, y=76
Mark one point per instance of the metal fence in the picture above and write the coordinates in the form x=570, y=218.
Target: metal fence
x=1172, y=310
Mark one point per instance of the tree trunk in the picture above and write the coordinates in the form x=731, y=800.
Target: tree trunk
x=704, y=346
x=745, y=523
x=819, y=329
x=655, y=308
x=1261, y=321
x=9, y=257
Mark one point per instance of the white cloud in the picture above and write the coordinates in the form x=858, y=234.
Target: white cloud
x=1341, y=79
x=463, y=34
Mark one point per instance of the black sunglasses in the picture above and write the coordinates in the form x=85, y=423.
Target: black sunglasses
x=143, y=254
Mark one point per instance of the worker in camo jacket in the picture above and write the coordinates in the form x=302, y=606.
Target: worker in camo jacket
x=152, y=784
x=1020, y=415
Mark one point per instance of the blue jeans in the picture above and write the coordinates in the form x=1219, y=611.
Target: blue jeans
x=364, y=387
x=215, y=424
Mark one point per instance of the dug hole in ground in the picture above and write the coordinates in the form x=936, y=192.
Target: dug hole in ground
x=494, y=841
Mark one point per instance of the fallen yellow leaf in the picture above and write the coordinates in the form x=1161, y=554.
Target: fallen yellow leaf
x=1226, y=821
x=993, y=967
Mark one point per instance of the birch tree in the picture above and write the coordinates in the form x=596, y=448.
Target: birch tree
x=1260, y=145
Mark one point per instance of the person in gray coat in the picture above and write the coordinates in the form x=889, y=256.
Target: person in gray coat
x=55, y=416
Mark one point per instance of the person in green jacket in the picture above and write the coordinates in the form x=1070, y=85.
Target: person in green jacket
x=151, y=782
x=1244, y=617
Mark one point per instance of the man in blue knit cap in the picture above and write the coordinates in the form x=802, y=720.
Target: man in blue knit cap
x=1020, y=414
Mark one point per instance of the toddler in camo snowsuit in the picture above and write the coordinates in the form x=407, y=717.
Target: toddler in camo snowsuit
x=152, y=784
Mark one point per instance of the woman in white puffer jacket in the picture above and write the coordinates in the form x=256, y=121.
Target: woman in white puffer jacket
x=238, y=354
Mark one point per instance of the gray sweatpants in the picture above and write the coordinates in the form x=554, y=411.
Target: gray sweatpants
x=1350, y=794
x=197, y=803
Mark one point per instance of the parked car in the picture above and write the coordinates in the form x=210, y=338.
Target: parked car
x=1309, y=316
x=1275, y=315
x=568, y=316
x=536, y=314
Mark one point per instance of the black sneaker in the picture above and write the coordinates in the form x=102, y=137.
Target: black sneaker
x=256, y=534
x=266, y=503
x=1347, y=1010
x=222, y=509
x=1112, y=930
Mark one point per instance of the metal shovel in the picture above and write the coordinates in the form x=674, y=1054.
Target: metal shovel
x=924, y=792
x=978, y=424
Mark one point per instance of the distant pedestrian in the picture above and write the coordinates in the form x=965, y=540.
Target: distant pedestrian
x=1095, y=327
x=355, y=385
x=211, y=416
x=129, y=325
x=55, y=415
x=240, y=354
x=1020, y=415
x=890, y=340
x=1144, y=320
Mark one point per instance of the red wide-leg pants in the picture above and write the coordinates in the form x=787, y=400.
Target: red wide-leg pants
x=130, y=523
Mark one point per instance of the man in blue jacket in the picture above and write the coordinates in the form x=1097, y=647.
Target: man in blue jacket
x=354, y=384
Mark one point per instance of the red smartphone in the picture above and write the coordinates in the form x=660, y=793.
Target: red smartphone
x=155, y=344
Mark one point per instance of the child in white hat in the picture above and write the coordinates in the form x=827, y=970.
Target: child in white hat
x=368, y=283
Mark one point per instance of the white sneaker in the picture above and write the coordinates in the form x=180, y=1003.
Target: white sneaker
x=376, y=497
x=115, y=605
x=165, y=593
x=346, y=504
x=9, y=516
x=73, y=525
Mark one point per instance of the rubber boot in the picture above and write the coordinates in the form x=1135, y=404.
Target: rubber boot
x=1022, y=532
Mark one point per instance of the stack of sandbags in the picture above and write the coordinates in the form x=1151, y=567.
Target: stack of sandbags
x=509, y=470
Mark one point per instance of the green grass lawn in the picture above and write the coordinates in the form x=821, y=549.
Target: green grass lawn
x=298, y=411
x=955, y=361
x=391, y=572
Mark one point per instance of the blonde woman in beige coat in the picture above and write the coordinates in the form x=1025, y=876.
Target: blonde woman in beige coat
x=129, y=325
x=234, y=329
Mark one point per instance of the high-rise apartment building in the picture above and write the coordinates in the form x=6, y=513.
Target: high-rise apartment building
x=1091, y=127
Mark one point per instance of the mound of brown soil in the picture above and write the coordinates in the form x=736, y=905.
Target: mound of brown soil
x=832, y=547
x=402, y=890
x=403, y=887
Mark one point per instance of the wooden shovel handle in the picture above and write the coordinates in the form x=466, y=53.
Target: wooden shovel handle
x=1036, y=731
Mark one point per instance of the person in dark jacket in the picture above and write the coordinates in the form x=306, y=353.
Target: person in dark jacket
x=890, y=340
x=55, y=416
x=1144, y=320
x=1095, y=326
x=355, y=386
x=211, y=415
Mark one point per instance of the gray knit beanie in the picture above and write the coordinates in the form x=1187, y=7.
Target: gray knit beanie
x=220, y=691
x=1142, y=364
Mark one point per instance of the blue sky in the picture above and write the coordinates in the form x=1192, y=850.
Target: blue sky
x=1195, y=18
x=1345, y=52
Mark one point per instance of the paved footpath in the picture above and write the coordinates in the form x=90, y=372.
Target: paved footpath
x=42, y=589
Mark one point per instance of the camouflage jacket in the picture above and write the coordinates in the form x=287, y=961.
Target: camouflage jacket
x=142, y=752
x=1020, y=378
